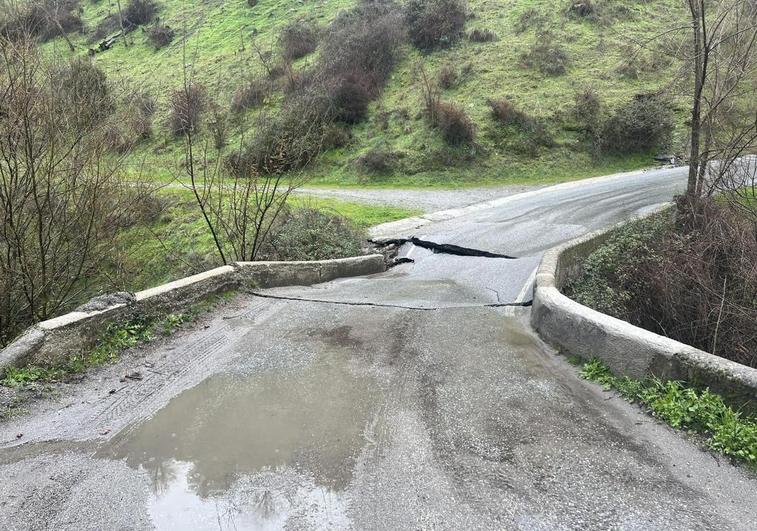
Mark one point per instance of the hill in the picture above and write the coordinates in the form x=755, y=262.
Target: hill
x=539, y=56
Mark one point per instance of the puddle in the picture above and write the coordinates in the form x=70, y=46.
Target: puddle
x=306, y=424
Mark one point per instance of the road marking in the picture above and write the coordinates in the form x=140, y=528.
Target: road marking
x=527, y=286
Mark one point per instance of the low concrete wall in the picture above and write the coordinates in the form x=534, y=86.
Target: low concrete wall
x=627, y=349
x=51, y=341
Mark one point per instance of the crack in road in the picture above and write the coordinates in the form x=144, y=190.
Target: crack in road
x=387, y=305
x=440, y=248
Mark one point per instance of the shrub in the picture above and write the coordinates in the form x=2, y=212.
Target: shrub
x=454, y=123
x=434, y=23
x=350, y=98
x=546, y=56
x=297, y=40
x=141, y=109
x=482, y=35
x=85, y=87
x=376, y=160
x=507, y=114
x=530, y=18
x=252, y=94
x=582, y=9
x=160, y=36
x=41, y=18
x=287, y=141
x=364, y=42
x=689, y=275
x=138, y=13
x=646, y=122
x=448, y=76
x=187, y=106
x=586, y=110
x=309, y=234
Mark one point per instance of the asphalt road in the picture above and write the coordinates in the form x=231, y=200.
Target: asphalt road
x=397, y=401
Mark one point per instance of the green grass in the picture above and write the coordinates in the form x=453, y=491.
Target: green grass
x=701, y=411
x=218, y=53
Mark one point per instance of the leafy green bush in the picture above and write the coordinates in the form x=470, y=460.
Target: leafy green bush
x=611, y=280
x=683, y=407
x=310, y=234
x=646, y=122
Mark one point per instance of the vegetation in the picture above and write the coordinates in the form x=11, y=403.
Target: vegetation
x=228, y=45
x=689, y=275
x=725, y=430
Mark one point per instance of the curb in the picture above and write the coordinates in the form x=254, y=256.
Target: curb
x=626, y=349
x=49, y=341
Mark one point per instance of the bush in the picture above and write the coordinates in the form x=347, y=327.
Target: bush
x=690, y=275
x=586, y=110
x=297, y=40
x=434, y=23
x=448, y=76
x=350, y=98
x=454, y=123
x=530, y=18
x=287, y=141
x=41, y=18
x=582, y=9
x=160, y=36
x=646, y=122
x=376, y=160
x=138, y=13
x=252, y=94
x=85, y=88
x=535, y=133
x=187, y=106
x=309, y=234
x=546, y=56
x=363, y=43
x=482, y=35
x=141, y=108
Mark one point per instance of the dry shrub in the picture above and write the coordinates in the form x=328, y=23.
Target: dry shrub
x=434, y=23
x=482, y=35
x=376, y=160
x=138, y=13
x=583, y=9
x=448, y=76
x=546, y=56
x=350, y=98
x=530, y=18
x=160, y=36
x=691, y=276
x=298, y=39
x=287, y=141
x=364, y=43
x=586, y=111
x=645, y=123
x=454, y=123
x=44, y=19
x=187, y=107
x=250, y=95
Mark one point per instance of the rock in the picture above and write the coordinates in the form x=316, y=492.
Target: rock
x=103, y=302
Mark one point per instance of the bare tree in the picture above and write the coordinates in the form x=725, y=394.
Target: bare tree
x=723, y=124
x=60, y=194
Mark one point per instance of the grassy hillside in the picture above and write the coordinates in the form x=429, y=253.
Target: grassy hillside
x=214, y=38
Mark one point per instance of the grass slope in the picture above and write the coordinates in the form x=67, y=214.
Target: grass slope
x=218, y=52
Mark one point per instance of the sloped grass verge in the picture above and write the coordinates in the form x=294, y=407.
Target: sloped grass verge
x=725, y=430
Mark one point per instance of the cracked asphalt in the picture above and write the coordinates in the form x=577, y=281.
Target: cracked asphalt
x=395, y=401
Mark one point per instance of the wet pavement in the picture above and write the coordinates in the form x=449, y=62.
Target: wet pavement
x=395, y=401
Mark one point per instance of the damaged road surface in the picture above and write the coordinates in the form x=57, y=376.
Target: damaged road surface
x=406, y=400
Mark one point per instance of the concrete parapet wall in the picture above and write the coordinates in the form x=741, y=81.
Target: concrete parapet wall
x=53, y=340
x=626, y=349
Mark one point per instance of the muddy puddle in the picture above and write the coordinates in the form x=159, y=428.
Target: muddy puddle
x=250, y=451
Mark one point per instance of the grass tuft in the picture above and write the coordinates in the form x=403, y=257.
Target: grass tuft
x=683, y=407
